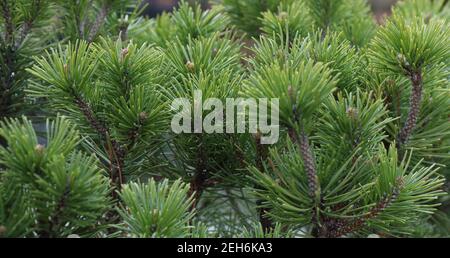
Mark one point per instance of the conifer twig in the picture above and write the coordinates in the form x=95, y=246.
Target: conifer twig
x=342, y=228
x=9, y=27
x=84, y=22
x=414, y=107
x=115, y=151
x=308, y=160
x=197, y=184
x=101, y=16
x=311, y=174
x=28, y=25
x=310, y=165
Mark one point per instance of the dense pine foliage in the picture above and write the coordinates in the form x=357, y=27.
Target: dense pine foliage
x=86, y=146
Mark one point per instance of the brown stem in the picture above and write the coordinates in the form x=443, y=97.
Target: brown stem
x=54, y=218
x=116, y=153
x=123, y=32
x=197, y=184
x=28, y=25
x=7, y=51
x=414, y=107
x=310, y=165
x=82, y=23
x=98, y=22
x=7, y=81
x=311, y=174
x=9, y=26
x=340, y=228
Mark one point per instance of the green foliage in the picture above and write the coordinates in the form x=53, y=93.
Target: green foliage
x=15, y=218
x=409, y=57
x=301, y=89
x=210, y=66
x=290, y=20
x=88, y=19
x=257, y=231
x=364, y=200
x=352, y=18
x=423, y=51
x=340, y=56
x=364, y=142
x=62, y=190
x=85, y=81
x=30, y=26
x=183, y=23
x=246, y=15
x=402, y=46
x=439, y=9
x=351, y=126
x=210, y=56
x=25, y=27
x=156, y=209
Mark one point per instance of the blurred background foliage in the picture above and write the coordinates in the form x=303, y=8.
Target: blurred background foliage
x=380, y=7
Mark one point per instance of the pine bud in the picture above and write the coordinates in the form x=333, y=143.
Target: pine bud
x=155, y=214
x=73, y=236
x=283, y=15
x=143, y=116
x=2, y=230
x=352, y=113
x=402, y=59
x=124, y=53
x=66, y=68
x=39, y=149
x=290, y=92
x=190, y=66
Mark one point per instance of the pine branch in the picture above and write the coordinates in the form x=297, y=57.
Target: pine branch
x=123, y=32
x=123, y=28
x=197, y=185
x=65, y=189
x=311, y=174
x=7, y=78
x=133, y=135
x=156, y=209
x=115, y=152
x=414, y=107
x=308, y=160
x=310, y=165
x=98, y=126
x=98, y=23
x=9, y=26
x=37, y=6
x=5, y=100
x=8, y=56
x=54, y=219
x=341, y=227
x=82, y=24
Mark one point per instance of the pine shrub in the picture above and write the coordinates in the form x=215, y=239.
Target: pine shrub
x=87, y=147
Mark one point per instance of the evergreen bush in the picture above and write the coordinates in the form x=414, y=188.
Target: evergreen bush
x=86, y=108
